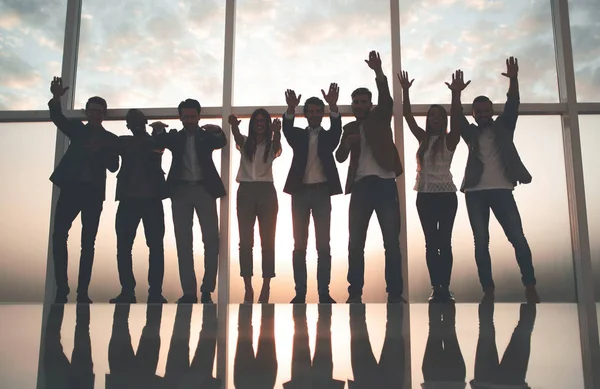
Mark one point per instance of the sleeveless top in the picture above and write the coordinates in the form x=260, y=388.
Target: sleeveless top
x=433, y=174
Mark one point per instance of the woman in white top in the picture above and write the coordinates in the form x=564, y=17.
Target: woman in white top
x=256, y=196
x=436, y=197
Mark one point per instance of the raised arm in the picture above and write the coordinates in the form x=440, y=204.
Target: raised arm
x=216, y=139
x=235, y=131
x=336, y=121
x=417, y=131
x=163, y=139
x=276, y=130
x=458, y=121
x=384, y=98
x=288, y=117
x=511, y=108
x=66, y=126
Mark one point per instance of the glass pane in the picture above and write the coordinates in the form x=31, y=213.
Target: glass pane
x=433, y=47
x=105, y=279
x=585, y=37
x=544, y=214
x=282, y=286
x=26, y=164
x=322, y=42
x=151, y=53
x=31, y=44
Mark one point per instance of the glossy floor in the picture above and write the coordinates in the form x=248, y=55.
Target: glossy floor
x=301, y=346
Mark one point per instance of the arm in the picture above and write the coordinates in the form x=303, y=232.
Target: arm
x=342, y=153
x=384, y=99
x=66, y=126
x=417, y=131
x=216, y=138
x=336, y=121
x=288, y=117
x=458, y=121
x=276, y=145
x=511, y=108
x=162, y=138
x=235, y=131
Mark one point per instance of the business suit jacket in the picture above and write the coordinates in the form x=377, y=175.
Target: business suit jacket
x=131, y=148
x=78, y=154
x=378, y=135
x=206, y=143
x=298, y=139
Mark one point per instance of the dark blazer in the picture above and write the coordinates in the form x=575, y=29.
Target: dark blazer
x=298, y=140
x=378, y=135
x=504, y=131
x=206, y=143
x=78, y=154
x=132, y=148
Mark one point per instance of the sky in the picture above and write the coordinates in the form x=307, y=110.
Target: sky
x=156, y=53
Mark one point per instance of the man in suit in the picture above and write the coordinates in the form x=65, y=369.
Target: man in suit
x=141, y=187
x=194, y=184
x=312, y=180
x=81, y=177
x=374, y=166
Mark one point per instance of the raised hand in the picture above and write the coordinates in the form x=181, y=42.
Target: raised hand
x=158, y=127
x=56, y=87
x=291, y=99
x=458, y=82
x=332, y=95
x=403, y=78
x=211, y=127
x=233, y=120
x=512, y=67
x=374, y=60
x=275, y=126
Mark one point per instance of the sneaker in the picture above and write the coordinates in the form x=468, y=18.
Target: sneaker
x=395, y=298
x=299, y=299
x=354, y=299
x=205, y=298
x=83, y=298
x=188, y=299
x=156, y=299
x=326, y=299
x=61, y=298
x=124, y=297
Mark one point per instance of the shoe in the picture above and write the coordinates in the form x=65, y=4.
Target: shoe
x=124, y=297
x=326, y=299
x=188, y=299
x=299, y=299
x=445, y=294
x=435, y=294
x=249, y=296
x=156, y=299
x=395, y=298
x=205, y=298
x=83, y=298
x=531, y=294
x=61, y=298
x=264, y=295
x=354, y=299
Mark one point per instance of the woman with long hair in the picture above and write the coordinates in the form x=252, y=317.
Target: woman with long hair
x=436, y=197
x=256, y=196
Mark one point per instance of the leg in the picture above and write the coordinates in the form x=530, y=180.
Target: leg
x=126, y=224
x=392, y=362
x=360, y=211
x=149, y=346
x=505, y=209
x=121, y=359
x=67, y=209
x=154, y=229
x=479, y=216
x=388, y=214
x=321, y=211
x=428, y=215
x=300, y=221
x=244, y=360
x=90, y=219
x=82, y=366
x=206, y=209
x=513, y=367
x=246, y=213
x=323, y=359
x=266, y=354
x=183, y=220
x=448, y=205
x=267, y=224
x=486, y=354
x=204, y=357
x=178, y=358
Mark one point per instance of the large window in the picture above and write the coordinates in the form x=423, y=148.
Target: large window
x=585, y=37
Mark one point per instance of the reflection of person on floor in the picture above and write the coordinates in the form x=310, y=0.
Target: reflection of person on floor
x=59, y=373
x=443, y=363
x=319, y=374
x=511, y=371
x=389, y=372
x=258, y=371
x=179, y=373
x=129, y=369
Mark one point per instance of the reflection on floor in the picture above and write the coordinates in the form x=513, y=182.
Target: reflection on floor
x=371, y=346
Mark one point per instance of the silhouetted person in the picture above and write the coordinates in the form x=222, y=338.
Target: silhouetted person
x=129, y=369
x=141, y=187
x=59, y=372
x=179, y=372
x=443, y=363
x=319, y=373
x=389, y=372
x=258, y=371
x=312, y=180
x=81, y=177
x=374, y=166
x=194, y=185
x=511, y=371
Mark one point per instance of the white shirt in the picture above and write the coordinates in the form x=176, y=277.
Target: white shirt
x=257, y=169
x=493, y=176
x=191, y=168
x=367, y=165
x=433, y=176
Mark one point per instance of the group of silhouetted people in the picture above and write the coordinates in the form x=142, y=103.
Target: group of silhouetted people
x=193, y=184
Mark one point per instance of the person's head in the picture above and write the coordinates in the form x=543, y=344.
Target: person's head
x=259, y=126
x=314, y=108
x=95, y=110
x=483, y=110
x=361, y=102
x=437, y=120
x=136, y=121
x=189, y=113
